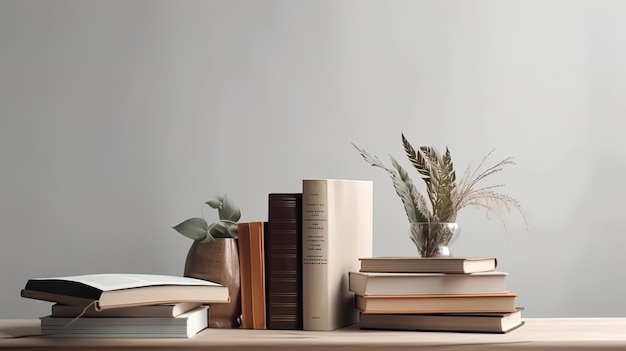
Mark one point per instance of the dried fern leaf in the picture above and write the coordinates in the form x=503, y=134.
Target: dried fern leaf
x=407, y=192
x=416, y=159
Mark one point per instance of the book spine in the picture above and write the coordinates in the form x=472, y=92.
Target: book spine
x=245, y=272
x=337, y=231
x=257, y=274
x=283, y=261
x=173, y=310
x=315, y=307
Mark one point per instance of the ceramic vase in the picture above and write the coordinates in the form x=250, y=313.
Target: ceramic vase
x=218, y=261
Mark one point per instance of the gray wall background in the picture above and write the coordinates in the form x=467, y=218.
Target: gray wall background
x=118, y=119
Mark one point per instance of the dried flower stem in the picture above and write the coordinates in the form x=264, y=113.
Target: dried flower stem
x=445, y=194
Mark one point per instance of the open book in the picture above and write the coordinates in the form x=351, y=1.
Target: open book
x=124, y=290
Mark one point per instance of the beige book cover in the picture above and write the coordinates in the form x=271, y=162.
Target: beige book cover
x=444, y=264
x=164, y=310
x=362, y=283
x=466, y=303
x=337, y=231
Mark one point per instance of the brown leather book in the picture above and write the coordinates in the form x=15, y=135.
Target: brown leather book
x=283, y=261
x=257, y=274
x=245, y=283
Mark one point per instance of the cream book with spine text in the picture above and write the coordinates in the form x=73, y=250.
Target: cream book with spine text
x=337, y=219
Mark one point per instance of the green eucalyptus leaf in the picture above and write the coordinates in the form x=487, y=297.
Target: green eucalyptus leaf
x=208, y=239
x=229, y=211
x=214, y=203
x=194, y=228
x=225, y=227
x=233, y=231
x=219, y=230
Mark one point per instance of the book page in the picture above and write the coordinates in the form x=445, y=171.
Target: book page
x=116, y=281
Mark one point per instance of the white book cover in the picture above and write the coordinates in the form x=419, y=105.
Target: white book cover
x=337, y=231
x=184, y=325
x=363, y=283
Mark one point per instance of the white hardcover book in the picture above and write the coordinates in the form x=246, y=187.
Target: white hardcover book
x=184, y=325
x=337, y=230
x=164, y=310
x=362, y=283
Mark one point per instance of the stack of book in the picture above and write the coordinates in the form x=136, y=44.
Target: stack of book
x=125, y=305
x=460, y=294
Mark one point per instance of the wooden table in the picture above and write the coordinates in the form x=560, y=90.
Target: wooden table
x=536, y=334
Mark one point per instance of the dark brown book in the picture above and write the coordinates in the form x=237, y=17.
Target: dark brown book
x=283, y=261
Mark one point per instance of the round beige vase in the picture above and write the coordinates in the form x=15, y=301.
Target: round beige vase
x=218, y=261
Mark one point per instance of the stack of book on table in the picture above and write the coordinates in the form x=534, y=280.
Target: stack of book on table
x=460, y=294
x=125, y=305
